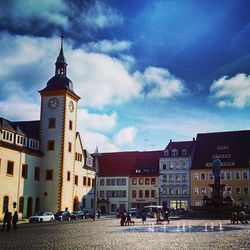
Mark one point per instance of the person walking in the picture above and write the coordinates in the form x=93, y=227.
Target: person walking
x=5, y=218
x=143, y=218
x=15, y=220
x=9, y=218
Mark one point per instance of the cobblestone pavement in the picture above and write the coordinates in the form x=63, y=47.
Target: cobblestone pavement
x=106, y=233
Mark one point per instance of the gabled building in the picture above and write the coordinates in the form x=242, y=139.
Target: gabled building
x=128, y=179
x=233, y=150
x=43, y=165
x=175, y=174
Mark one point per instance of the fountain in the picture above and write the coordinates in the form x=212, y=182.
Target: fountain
x=220, y=226
x=212, y=225
x=217, y=206
x=205, y=230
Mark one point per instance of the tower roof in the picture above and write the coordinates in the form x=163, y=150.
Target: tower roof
x=61, y=58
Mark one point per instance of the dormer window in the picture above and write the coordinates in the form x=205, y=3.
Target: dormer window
x=166, y=153
x=174, y=152
x=8, y=136
x=183, y=152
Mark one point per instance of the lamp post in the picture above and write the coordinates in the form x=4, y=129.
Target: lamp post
x=96, y=154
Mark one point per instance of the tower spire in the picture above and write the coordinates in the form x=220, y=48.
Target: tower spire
x=61, y=64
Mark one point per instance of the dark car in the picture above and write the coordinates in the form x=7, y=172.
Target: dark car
x=77, y=215
x=62, y=215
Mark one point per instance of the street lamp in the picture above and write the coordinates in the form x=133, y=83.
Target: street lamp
x=96, y=154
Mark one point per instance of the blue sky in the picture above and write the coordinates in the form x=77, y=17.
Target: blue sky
x=147, y=71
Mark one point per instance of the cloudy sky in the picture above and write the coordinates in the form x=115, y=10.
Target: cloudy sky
x=147, y=71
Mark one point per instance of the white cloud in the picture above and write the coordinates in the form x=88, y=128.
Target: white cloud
x=231, y=92
x=96, y=122
x=158, y=82
x=93, y=139
x=100, y=79
x=106, y=46
x=125, y=136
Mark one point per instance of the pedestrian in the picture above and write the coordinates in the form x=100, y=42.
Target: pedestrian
x=9, y=218
x=5, y=218
x=15, y=220
x=143, y=218
x=98, y=213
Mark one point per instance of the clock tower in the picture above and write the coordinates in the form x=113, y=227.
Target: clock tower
x=58, y=139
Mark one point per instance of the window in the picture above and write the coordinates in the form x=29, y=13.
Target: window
x=237, y=175
x=70, y=125
x=5, y=203
x=76, y=179
x=101, y=182
x=171, y=178
x=152, y=193
x=153, y=181
x=89, y=181
x=52, y=123
x=245, y=190
x=84, y=181
x=37, y=174
x=203, y=176
x=174, y=152
x=51, y=145
x=237, y=190
x=184, y=177
x=196, y=190
x=70, y=147
x=164, y=166
x=164, y=178
x=140, y=193
x=171, y=165
x=178, y=165
x=93, y=182
x=49, y=174
x=133, y=193
x=101, y=194
x=222, y=175
x=25, y=171
x=68, y=175
x=203, y=190
x=21, y=201
x=184, y=190
x=10, y=168
x=196, y=176
x=177, y=178
x=184, y=152
x=228, y=175
x=146, y=193
x=178, y=190
x=134, y=181
x=166, y=153
x=245, y=175
x=211, y=176
x=147, y=181
x=171, y=190
x=229, y=190
x=141, y=181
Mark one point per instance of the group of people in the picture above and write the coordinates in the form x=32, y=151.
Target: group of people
x=8, y=219
x=125, y=217
x=162, y=216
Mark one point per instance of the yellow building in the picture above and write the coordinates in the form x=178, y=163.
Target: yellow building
x=43, y=165
x=232, y=148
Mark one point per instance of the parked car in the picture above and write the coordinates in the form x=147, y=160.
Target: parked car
x=77, y=215
x=62, y=215
x=42, y=217
x=133, y=211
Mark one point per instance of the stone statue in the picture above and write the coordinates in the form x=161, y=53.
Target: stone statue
x=216, y=166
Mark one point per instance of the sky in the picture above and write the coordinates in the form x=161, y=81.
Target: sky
x=146, y=71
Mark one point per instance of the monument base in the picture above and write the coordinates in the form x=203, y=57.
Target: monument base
x=212, y=212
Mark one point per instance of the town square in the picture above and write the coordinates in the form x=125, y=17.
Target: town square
x=124, y=124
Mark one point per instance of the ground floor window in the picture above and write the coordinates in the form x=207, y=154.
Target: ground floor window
x=5, y=203
x=177, y=204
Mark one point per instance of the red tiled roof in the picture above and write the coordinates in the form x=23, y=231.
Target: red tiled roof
x=179, y=145
x=126, y=163
x=232, y=147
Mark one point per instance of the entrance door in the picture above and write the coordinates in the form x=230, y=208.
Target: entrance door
x=76, y=204
x=29, y=207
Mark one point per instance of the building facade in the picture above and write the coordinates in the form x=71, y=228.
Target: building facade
x=233, y=150
x=175, y=174
x=43, y=163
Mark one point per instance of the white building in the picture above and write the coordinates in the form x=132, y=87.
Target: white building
x=43, y=165
x=175, y=174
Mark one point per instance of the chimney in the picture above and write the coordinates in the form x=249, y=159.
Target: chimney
x=170, y=140
x=193, y=139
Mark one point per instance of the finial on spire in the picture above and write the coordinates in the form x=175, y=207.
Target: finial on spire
x=62, y=37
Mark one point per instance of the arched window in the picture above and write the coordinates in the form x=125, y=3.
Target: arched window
x=166, y=153
x=5, y=203
x=184, y=152
x=21, y=200
x=174, y=152
x=37, y=205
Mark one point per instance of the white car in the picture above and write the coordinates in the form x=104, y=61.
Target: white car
x=41, y=217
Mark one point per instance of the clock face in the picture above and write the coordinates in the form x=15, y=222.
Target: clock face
x=71, y=106
x=53, y=103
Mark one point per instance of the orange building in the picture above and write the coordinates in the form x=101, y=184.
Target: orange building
x=233, y=150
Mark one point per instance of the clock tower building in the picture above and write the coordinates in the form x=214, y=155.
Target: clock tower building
x=58, y=139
